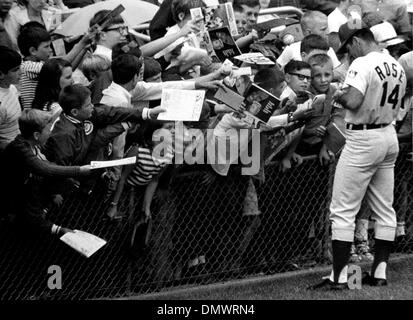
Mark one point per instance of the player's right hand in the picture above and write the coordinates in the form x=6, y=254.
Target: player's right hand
x=320, y=131
x=303, y=114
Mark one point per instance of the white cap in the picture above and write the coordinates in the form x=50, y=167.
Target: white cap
x=384, y=33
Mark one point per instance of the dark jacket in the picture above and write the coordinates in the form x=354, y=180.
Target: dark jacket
x=75, y=143
x=21, y=192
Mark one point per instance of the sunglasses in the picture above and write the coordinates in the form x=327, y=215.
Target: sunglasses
x=301, y=77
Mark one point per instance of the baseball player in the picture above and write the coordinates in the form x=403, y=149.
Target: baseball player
x=372, y=95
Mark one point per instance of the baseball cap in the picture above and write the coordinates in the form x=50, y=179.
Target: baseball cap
x=384, y=33
x=346, y=33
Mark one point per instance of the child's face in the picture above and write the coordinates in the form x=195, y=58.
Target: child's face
x=322, y=77
x=299, y=81
x=241, y=21
x=11, y=77
x=66, y=78
x=251, y=14
x=37, y=5
x=43, y=51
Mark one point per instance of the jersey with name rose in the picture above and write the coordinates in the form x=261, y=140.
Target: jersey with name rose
x=382, y=81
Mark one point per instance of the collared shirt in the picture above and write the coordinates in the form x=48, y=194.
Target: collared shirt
x=293, y=52
x=335, y=20
x=394, y=11
x=103, y=51
x=382, y=81
x=116, y=96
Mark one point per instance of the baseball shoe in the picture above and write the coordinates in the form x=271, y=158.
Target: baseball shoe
x=354, y=257
x=328, y=285
x=372, y=281
x=363, y=251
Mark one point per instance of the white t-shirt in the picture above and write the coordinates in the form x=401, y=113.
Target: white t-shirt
x=293, y=52
x=382, y=81
x=335, y=20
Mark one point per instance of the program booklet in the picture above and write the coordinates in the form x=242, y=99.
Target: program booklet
x=214, y=17
x=223, y=44
x=260, y=104
x=335, y=138
x=83, y=242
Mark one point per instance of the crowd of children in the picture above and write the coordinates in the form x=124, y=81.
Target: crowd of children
x=100, y=101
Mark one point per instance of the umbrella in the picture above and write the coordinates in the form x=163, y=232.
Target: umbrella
x=136, y=12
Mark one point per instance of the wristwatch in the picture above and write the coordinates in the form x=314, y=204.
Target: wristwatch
x=291, y=117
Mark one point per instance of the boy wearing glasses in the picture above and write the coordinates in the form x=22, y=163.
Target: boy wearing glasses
x=109, y=37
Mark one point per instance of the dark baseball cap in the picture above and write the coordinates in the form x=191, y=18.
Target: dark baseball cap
x=346, y=33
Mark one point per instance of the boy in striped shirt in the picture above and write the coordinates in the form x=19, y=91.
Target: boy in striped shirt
x=143, y=176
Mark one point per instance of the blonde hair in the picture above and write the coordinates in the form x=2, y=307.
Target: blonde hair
x=93, y=65
x=34, y=120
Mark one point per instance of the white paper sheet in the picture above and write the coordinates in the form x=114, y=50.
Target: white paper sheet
x=181, y=105
x=112, y=163
x=83, y=242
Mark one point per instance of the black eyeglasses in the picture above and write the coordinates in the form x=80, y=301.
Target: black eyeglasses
x=121, y=29
x=301, y=77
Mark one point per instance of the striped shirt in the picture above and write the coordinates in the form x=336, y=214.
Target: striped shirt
x=147, y=167
x=10, y=112
x=28, y=81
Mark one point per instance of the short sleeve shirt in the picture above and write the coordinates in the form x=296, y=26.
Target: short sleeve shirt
x=382, y=81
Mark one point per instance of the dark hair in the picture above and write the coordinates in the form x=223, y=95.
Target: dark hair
x=152, y=68
x=73, y=97
x=143, y=135
x=237, y=8
x=48, y=87
x=124, y=68
x=32, y=34
x=295, y=65
x=364, y=34
x=9, y=59
x=248, y=3
x=101, y=14
x=126, y=47
x=269, y=78
x=313, y=42
x=184, y=6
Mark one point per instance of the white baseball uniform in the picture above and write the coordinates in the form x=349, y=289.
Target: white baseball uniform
x=366, y=165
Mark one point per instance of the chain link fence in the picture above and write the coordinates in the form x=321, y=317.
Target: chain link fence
x=206, y=231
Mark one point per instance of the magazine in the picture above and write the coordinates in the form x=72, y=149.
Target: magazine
x=260, y=104
x=335, y=138
x=275, y=23
x=223, y=44
x=213, y=17
x=254, y=58
x=83, y=242
x=216, y=17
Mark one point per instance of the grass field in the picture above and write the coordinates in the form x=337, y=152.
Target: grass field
x=293, y=287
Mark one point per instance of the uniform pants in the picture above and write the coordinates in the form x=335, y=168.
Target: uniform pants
x=365, y=168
